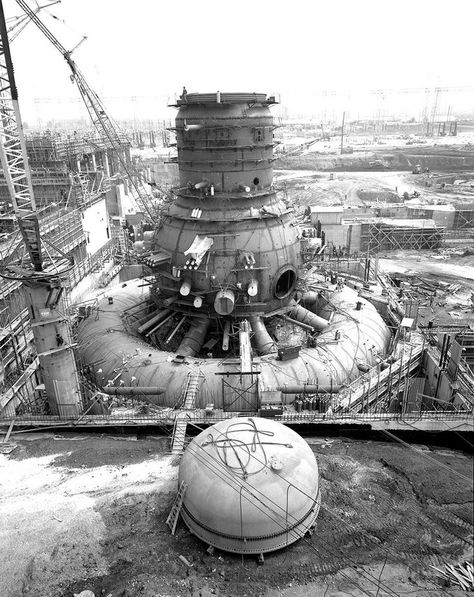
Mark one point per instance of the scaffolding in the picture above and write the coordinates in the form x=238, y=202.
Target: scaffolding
x=46, y=149
x=382, y=235
x=464, y=218
x=18, y=363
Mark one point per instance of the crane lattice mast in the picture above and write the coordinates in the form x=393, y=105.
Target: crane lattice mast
x=12, y=154
x=100, y=119
x=42, y=278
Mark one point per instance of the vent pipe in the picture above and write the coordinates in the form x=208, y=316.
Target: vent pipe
x=262, y=339
x=305, y=316
x=194, y=338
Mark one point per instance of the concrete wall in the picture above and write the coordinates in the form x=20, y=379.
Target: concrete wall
x=325, y=216
x=353, y=236
x=443, y=218
x=336, y=234
x=95, y=225
x=442, y=215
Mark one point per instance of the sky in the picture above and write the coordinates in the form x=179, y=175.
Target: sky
x=321, y=57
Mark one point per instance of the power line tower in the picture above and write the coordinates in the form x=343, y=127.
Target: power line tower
x=34, y=260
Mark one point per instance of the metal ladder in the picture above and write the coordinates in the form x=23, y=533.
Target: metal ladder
x=190, y=392
x=179, y=434
x=188, y=399
x=173, y=516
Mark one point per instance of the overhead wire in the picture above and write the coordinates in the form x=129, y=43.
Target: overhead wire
x=437, y=462
x=346, y=523
x=225, y=474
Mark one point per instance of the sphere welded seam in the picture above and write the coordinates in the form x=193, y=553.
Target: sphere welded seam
x=314, y=509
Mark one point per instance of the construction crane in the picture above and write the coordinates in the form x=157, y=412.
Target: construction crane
x=35, y=261
x=100, y=119
x=18, y=23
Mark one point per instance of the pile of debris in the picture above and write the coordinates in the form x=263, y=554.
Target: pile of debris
x=446, y=252
x=461, y=575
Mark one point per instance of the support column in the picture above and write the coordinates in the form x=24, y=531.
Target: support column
x=106, y=164
x=54, y=348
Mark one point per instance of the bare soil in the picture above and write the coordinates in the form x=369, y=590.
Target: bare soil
x=88, y=512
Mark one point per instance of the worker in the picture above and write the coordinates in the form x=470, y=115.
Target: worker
x=184, y=95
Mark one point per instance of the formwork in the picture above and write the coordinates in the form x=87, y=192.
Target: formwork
x=379, y=236
x=48, y=149
x=464, y=217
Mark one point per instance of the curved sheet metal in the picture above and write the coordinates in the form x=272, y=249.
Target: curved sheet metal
x=107, y=344
x=252, y=485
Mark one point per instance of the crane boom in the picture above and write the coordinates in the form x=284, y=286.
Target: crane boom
x=12, y=154
x=21, y=22
x=100, y=119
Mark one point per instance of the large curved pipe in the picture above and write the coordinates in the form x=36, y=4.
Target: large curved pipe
x=194, y=338
x=307, y=317
x=263, y=341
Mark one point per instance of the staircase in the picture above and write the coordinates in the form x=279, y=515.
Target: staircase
x=179, y=434
x=188, y=401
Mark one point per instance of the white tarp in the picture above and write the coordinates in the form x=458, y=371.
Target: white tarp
x=198, y=248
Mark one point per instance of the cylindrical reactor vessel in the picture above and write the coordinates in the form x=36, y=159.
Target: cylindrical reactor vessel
x=227, y=238
x=251, y=486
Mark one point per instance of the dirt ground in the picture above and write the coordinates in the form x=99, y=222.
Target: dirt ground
x=82, y=512
x=304, y=188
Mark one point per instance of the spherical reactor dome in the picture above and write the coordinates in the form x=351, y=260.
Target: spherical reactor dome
x=252, y=486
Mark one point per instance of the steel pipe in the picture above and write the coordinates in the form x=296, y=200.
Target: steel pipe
x=185, y=288
x=305, y=316
x=194, y=338
x=308, y=388
x=262, y=339
x=151, y=322
x=133, y=390
x=201, y=185
x=224, y=302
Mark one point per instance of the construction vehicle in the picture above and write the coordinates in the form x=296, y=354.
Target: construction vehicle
x=416, y=169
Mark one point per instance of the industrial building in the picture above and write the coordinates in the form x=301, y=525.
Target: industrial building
x=83, y=204
x=390, y=226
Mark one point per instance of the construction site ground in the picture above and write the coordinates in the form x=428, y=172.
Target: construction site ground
x=305, y=187
x=88, y=512
x=423, y=271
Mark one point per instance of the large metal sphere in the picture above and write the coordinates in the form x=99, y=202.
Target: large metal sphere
x=252, y=486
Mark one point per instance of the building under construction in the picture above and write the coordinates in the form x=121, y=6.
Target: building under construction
x=83, y=201
x=213, y=305
x=240, y=316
